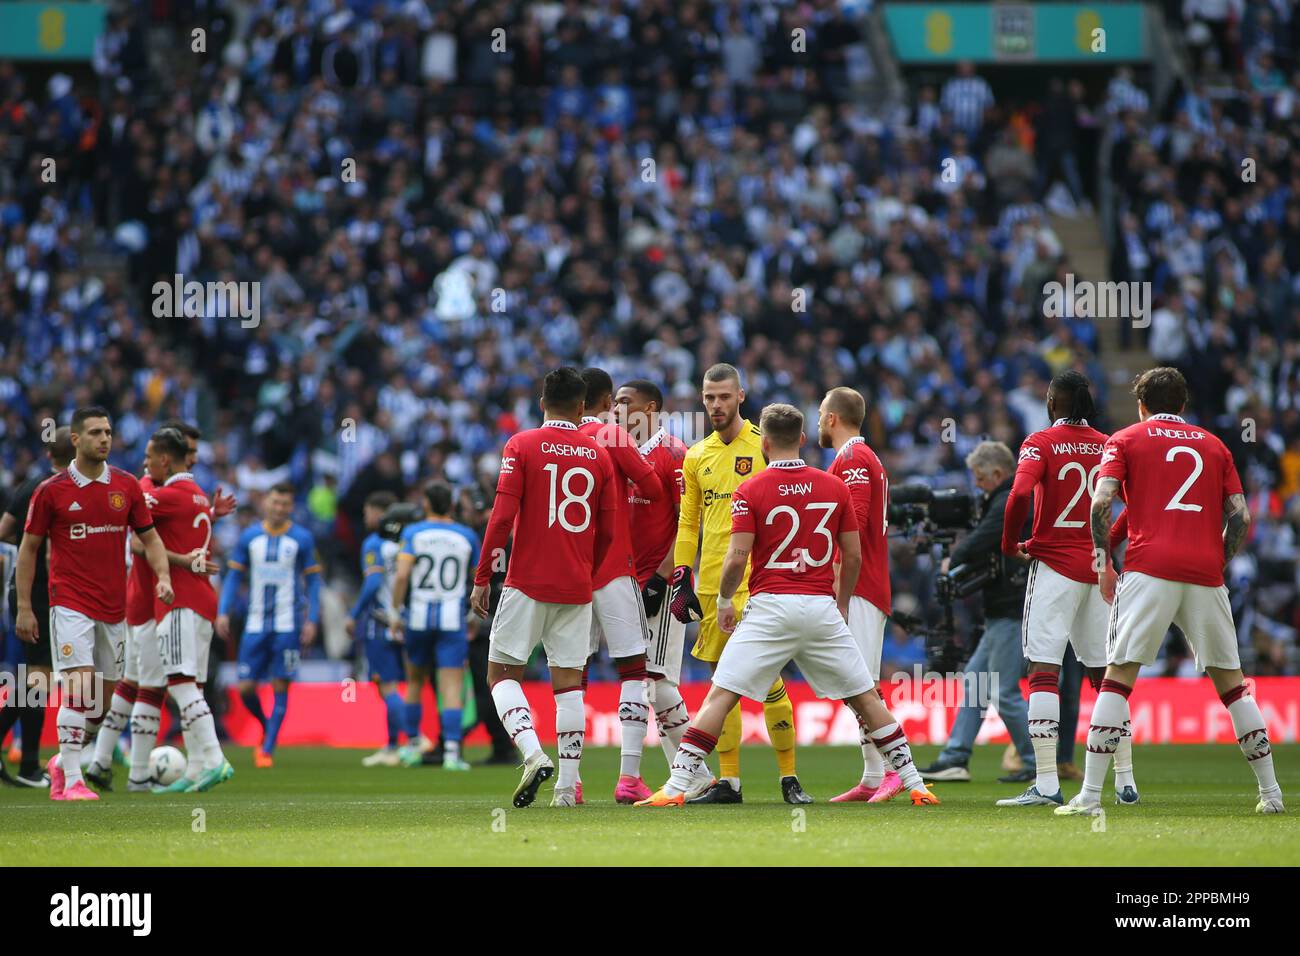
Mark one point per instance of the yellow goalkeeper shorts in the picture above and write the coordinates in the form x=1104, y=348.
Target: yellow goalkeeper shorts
x=711, y=640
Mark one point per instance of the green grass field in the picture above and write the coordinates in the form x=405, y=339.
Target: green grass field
x=319, y=806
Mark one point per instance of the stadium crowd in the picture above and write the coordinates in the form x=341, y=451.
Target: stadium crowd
x=718, y=197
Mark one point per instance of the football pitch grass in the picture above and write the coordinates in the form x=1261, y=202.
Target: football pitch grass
x=321, y=807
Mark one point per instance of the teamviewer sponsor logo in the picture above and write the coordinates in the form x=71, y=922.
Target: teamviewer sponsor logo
x=79, y=531
x=75, y=909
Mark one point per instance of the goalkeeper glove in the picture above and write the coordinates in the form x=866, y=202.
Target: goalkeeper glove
x=652, y=595
x=685, y=606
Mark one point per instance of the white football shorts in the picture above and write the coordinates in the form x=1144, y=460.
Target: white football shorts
x=618, y=616
x=80, y=641
x=804, y=628
x=143, y=656
x=867, y=625
x=1061, y=610
x=1144, y=608
x=521, y=623
x=184, y=641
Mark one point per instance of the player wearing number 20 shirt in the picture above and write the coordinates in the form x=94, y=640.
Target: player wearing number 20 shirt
x=1058, y=469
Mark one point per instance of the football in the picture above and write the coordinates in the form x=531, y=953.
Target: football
x=166, y=764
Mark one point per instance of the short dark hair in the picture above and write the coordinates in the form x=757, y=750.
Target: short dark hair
x=782, y=424
x=89, y=411
x=563, y=389
x=282, y=488
x=1073, y=395
x=439, y=494
x=184, y=427
x=647, y=388
x=170, y=442
x=1162, y=390
x=599, y=384
x=381, y=500
x=722, y=372
x=61, y=450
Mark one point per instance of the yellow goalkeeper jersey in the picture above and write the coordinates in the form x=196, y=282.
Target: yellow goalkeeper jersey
x=711, y=471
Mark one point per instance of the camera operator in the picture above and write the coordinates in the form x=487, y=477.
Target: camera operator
x=999, y=654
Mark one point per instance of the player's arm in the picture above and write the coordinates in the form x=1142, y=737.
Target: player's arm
x=849, y=568
x=1029, y=472
x=10, y=528
x=733, y=572
x=608, y=514
x=29, y=552
x=156, y=554
x=683, y=603
x=1236, y=523
x=372, y=579
x=505, y=507
x=1102, y=498
x=311, y=577
x=236, y=565
x=402, y=579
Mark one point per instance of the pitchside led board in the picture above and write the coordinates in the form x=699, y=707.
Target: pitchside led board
x=49, y=31
x=1017, y=32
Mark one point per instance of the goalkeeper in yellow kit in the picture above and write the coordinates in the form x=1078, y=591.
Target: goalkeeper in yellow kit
x=712, y=470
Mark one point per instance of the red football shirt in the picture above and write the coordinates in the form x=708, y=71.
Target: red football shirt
x=1058, y=467
x=796, y=514
x=87, y=521
x=656, y=519
x=183, y=517
x=140, y=582
x=630, y=469
x=1175, y=478
x=859, y=468
x=564, y=484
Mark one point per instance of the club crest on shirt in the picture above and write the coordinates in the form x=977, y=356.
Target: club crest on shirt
x=65, y=650
x=116, y=500
x=744, y=465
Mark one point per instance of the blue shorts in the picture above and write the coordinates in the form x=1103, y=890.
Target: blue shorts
x=448, y=648
x=268, y=656
x=383, y=657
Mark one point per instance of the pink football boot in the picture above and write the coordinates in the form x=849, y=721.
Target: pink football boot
x=55, y=769
x=889, y=788
x=631, y=789
x=577, y=793
x=79, y=791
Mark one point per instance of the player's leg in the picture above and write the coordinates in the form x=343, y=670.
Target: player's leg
x=516, y=630
x=1088, y=638
x=286, y=651
x=698, y=741
x=566, y=636
x=252, y=667
x=831, y=660
x=867, y=625
x=31, y=716
x=619, y=615
x=183, y=637
x=451, y=653
x=420, y=654
x=1205, y=617
x=778, y=715
x=146, y=713
x=72, y=639
x=1141, y=613
x=100, y=771
x=709, y=644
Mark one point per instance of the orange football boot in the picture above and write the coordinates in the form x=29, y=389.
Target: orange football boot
x=262, y=760
x=661, y=799
x=924, y=798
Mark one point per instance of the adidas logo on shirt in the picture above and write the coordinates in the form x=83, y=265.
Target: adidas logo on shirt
x=74, y=507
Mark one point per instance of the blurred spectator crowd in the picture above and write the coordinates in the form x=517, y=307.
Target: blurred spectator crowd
x=441, y=200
